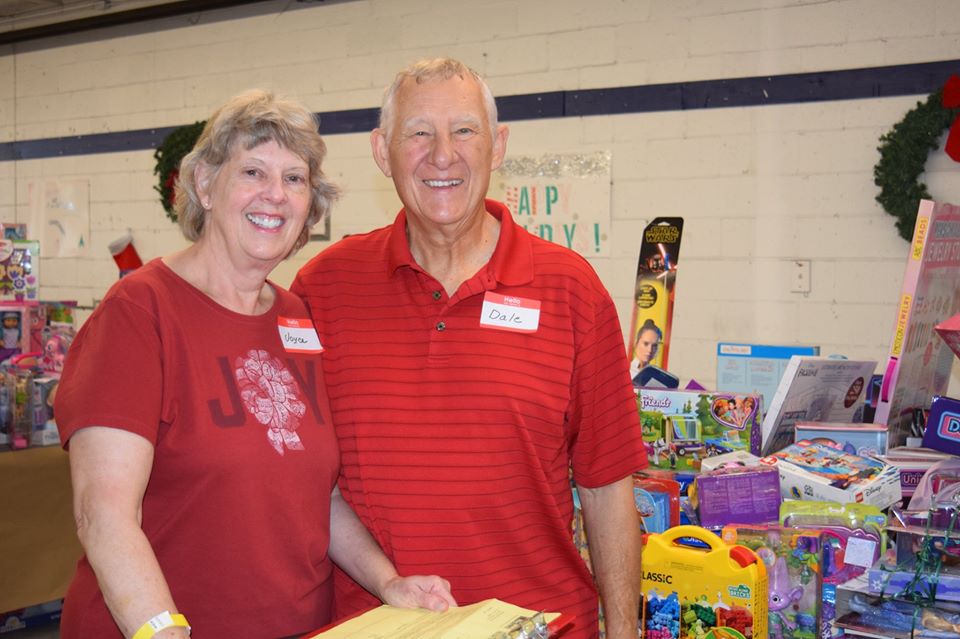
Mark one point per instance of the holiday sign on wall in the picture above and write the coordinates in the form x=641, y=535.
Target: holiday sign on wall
x=562, y=198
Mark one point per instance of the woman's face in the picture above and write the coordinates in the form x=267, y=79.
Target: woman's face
x=646, y=348
x=258, y=203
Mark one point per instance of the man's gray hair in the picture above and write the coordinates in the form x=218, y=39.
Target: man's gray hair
x=434, y=69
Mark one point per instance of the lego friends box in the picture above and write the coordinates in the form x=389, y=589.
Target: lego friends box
x=681, y=427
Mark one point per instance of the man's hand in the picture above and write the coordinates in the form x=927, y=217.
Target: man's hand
x=419, y=591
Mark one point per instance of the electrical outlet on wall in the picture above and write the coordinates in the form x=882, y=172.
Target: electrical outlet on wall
x=800, y=276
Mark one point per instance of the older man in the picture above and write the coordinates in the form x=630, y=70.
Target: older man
x=469, y=366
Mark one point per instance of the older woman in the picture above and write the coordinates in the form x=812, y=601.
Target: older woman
x=202, y=453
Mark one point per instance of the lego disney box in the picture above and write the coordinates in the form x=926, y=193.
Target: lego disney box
x=681, y=427
x=816, y=472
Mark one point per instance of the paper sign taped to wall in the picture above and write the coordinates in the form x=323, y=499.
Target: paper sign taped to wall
x=60, y=216
x=563, y=198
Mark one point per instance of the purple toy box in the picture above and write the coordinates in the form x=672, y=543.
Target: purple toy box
x=743, y=495
x=943, y=426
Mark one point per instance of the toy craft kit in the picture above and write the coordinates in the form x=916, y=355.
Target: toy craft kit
x=821, y=473
x=680, y=427
x=696, y=586
x=919, y=360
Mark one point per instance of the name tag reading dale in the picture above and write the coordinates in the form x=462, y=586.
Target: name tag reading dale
x=298, y=335
x=510, y=313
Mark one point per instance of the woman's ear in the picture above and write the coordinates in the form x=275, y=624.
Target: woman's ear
x=202, y=178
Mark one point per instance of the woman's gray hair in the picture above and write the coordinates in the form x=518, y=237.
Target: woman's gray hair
x=250, y=119
x=434, y=69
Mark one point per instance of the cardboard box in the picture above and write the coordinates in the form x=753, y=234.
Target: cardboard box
x=755, y=368
x=912, y=464
x=866, y=440
x=815, y=389
x=682, y=427
x=821, y=473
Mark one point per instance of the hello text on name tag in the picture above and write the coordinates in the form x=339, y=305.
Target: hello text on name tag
x=510, y=313
x=298, y=335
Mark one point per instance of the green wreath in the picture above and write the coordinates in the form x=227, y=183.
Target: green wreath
x=903, y=156
x=168, y=156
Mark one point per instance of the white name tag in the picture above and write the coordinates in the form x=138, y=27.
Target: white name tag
x=510, y=313
x=299, y=335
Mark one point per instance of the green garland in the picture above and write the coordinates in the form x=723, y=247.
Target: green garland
x=903, y=156
x=168, y=156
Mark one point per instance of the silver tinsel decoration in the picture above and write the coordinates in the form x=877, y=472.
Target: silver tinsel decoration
x=555, y=165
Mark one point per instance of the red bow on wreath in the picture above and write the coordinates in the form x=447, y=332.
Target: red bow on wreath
x=951, y=100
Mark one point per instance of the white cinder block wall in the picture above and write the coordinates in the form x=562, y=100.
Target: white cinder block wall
x=758, y=186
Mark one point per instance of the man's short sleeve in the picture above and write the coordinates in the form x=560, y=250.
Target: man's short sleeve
x=609, y=442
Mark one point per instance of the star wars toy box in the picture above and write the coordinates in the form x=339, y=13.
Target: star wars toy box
x=695, y=585
x=682, y=427
x=654, y=289
x=816, y=472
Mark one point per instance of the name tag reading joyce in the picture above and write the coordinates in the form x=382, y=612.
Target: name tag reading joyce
x=510, y=313
x=298, y=335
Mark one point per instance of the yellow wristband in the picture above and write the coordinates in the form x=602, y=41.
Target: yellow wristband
x=161, y=622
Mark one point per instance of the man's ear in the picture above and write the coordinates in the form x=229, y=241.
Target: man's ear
x=499, y=146
x=381, y=150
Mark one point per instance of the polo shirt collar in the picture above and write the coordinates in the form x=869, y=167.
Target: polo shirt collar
x=511, y=263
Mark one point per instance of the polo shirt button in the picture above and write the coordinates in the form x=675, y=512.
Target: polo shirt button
x=436, y=295
x=441, y=326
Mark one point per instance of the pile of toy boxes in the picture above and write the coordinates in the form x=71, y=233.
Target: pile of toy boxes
x=35, y=339
x=794, y=544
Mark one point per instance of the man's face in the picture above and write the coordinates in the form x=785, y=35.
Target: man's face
x=441, y=151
